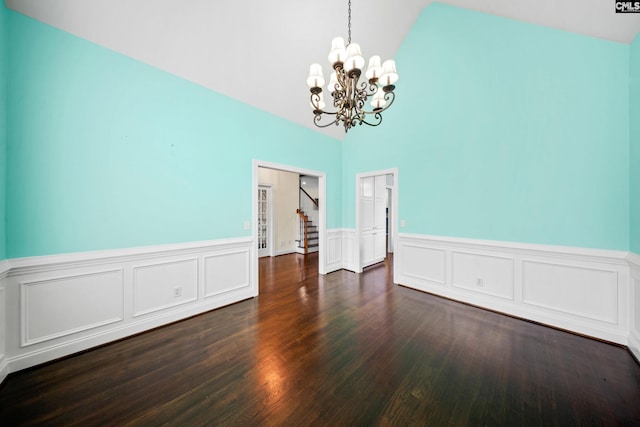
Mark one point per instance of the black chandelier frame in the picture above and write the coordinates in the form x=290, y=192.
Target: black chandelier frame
x=350, y=96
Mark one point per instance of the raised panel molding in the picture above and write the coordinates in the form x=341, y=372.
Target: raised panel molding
x=423, y=264
x=341, y=250
x=587, y=291
x=488, y=274
x=226, y=272
x=334, y=250
x=159, y=286
x=349, y=249
x=578, y=291
x=58, y=306
x=61, y=304
x=634, y=333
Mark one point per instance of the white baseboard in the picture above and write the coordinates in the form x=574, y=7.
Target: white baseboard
x=302, y=251
x=285, y=252
x=58, y=305
x=586, y=291
x=634, y=332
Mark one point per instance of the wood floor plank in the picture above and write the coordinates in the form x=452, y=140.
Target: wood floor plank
x=340, y=349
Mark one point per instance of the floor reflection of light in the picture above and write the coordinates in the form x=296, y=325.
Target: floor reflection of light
x=274, y=379
x=303, y=294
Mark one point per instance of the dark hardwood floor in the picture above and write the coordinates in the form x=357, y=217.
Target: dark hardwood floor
x=341, y=349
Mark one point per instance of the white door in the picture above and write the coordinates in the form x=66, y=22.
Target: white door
x=264, y=226
x=373, y=239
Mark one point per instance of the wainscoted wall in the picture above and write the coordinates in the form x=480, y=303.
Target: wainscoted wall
x=4, y=366
x=587, y=291
x=57, y=305
x=634, y=331
x=341, y=249
x=334, y=249
x=61, y=304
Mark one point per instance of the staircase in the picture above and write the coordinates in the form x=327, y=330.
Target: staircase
x=308, y=241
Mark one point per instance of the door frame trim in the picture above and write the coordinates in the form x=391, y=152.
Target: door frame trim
x=322, y=217
x=394, y=213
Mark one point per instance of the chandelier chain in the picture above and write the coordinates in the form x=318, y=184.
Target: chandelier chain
x=349, y=23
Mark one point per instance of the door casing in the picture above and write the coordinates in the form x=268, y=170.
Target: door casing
x=322, y=225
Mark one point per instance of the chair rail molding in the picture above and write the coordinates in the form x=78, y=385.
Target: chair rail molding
x=57, y=305
x=586, y=291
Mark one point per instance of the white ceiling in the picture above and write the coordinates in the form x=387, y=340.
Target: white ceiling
x=259, y=51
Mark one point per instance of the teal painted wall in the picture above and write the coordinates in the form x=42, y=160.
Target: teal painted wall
x=106, y=152
x=634, y=141
x=505, y=131
x=3, y=129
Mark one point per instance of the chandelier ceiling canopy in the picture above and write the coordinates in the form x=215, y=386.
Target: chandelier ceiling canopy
x=350, y=95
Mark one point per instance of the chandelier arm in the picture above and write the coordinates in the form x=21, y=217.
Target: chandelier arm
x=387, y=96
x=377, y=116
x=315, y=101
x=318, y=118
x=329, y=113
x=365, y=87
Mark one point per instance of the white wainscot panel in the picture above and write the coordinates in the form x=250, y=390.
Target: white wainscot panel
x=163, y=285
x=586, y=292
x=635, y=286
x=488, y=274
x=4, y=366
x=424, y=265
x=349, y=249
x=55, y=307
x=226, y=272
x=334, y=253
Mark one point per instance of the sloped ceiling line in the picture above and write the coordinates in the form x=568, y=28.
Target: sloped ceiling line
x=250, y=50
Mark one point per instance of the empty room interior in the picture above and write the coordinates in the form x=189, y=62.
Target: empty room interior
x=439, y=224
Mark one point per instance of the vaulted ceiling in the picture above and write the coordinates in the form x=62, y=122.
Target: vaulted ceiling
x=259, y=51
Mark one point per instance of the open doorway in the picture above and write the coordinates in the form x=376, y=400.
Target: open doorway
x=277, y=219
x=282, y=244
x=376, y=216
x=308, y=215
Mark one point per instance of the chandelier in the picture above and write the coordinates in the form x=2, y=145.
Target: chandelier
x=349, y=94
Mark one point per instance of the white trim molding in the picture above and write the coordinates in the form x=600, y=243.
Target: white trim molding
x=322, y=211
x=341, y=249
x=586, y=291
x=4, y=364
x=57, y=305
x=634, y=301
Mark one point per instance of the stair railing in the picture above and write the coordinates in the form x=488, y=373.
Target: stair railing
x=315, y=201
x=304, y=219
